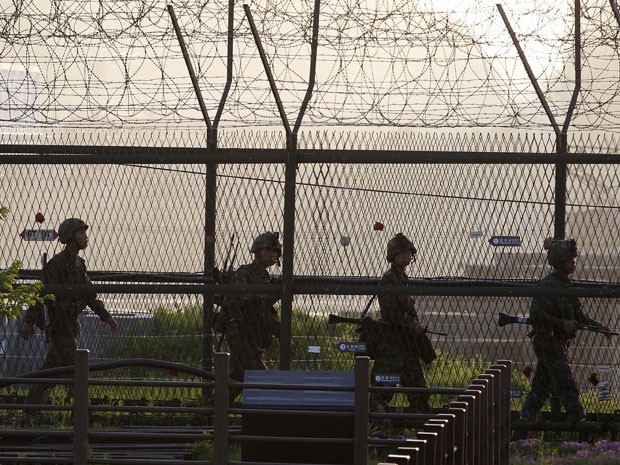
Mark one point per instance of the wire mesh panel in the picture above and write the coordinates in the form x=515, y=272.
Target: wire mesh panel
x=147, y=225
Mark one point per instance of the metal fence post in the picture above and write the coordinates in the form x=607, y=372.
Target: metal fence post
x=220, y=434
x=430, y=451
x=360, y=416
x=80, y=408
x=485, y=422
x=459, y=411
x=505, y=366
x=495, y=378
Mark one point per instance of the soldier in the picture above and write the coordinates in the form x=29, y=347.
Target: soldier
x=402, y=348
x=65, y=267
x=251, y=321
x=554, y=322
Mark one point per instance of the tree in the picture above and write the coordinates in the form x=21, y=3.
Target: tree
x=14, y=299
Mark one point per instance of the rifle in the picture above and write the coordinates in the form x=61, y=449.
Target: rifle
x=335, y=319
x=504, y=320
x=373, y=332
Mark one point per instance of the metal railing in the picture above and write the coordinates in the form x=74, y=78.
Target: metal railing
x=474, y=429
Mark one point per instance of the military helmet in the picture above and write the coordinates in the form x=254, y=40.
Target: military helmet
x=397, y=244
x=68, y=228
x=267, y=240
x=560, y=250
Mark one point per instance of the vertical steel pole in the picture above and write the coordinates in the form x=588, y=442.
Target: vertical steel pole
x=210, y=203
x=561, y=169
x=80, y=408
x=360, y=416
x=220, y=441
x=290, y=180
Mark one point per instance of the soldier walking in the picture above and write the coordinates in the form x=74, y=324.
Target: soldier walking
x=405, y=345
x=554, y=320
x=250, y=321
x=66, y=267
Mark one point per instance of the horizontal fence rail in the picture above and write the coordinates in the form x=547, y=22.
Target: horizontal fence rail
x=476, y=423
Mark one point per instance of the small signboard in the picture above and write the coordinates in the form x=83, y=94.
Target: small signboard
x=603, y=368
x=356, y=347
x=387, y=379
x=38, y=234
x=516, y=393
x=304, y=398
x=505, y=241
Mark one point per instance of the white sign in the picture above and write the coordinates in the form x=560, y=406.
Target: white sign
x=351, y=346
x=38, y=234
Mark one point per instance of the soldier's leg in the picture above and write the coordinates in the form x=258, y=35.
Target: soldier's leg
x=244, y=355
x=541, y=388
x=413, y=376
x=380, y=400
x=566, y=388
x=542, y=383
x=237, y=363
x=61, y=353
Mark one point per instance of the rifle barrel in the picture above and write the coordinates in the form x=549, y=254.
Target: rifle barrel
x=335, y=319
x=506, y=320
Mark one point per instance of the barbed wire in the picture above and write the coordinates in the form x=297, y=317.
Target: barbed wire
x=118, y=64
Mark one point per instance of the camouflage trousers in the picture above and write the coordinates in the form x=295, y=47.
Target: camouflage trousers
x=553, y=375
x=244, y=355
x=411, y=375
x=61, y=353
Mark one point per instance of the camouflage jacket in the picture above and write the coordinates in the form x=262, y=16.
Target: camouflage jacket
x=248, y=315
x=548, y=313
x=63, y=311
x=398, y=310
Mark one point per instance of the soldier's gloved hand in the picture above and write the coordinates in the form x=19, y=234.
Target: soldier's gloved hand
x=112, y=322
x=26, y=331
x=569, y=327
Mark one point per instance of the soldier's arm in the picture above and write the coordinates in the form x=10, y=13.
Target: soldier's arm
x=274, y=323
x=541, y=316
x=31, y=318
x=586, y=320
x=97, y=306
x=388, y=302
x=241, y=276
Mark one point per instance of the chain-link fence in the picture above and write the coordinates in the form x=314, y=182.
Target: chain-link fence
x=148, y=206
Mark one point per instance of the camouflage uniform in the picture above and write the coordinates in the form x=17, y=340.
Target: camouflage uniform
x=550, y=342
x=250, y=323
x=397, y=352
x=63, y=325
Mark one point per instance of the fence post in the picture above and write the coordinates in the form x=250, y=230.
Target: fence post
x=440, y=427
x=417, y=450
x=495, y=378
x=478, y=394
x=459, y=411
x=220, y=421
x=484, y=420
x=449, y=420
x=505, y=366
x=360, y=415
x=80, y=408
x=430, y=451
x=470, y=405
